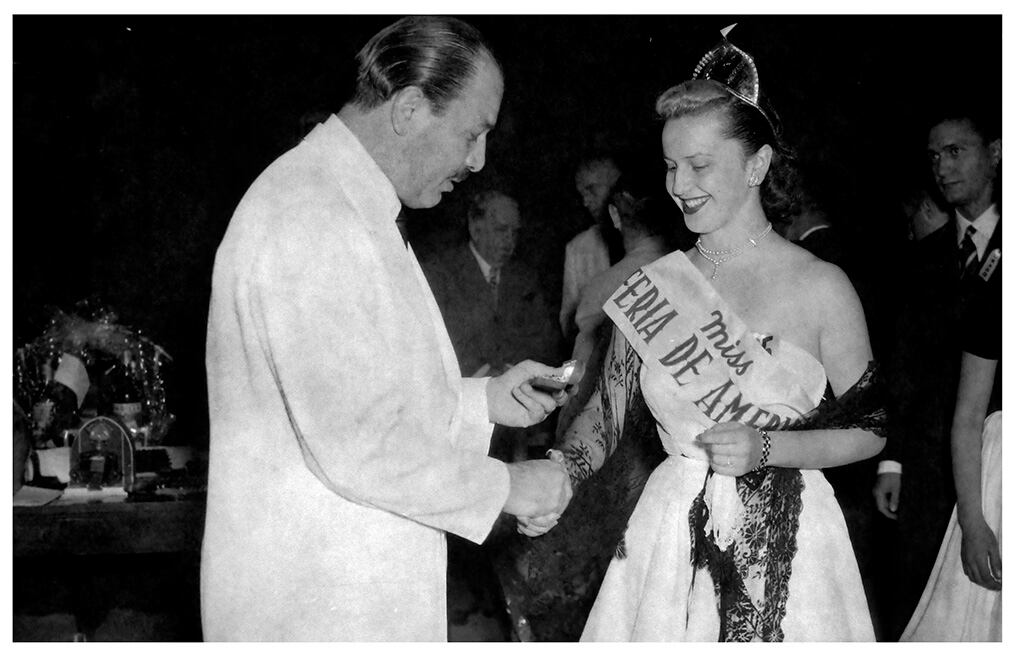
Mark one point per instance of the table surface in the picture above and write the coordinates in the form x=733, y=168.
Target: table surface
x=76, y=525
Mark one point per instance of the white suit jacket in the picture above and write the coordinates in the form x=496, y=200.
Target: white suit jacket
x=343, y=440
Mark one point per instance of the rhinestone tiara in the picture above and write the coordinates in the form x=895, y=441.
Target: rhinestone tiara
x=735, y=69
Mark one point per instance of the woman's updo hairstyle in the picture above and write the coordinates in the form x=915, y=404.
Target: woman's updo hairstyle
x=749, y=126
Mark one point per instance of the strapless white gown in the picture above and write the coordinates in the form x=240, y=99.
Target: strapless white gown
x=655, y=594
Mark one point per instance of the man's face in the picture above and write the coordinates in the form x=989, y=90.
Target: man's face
x=495, y=233
x=594, y=184
x=449, y=147
x=963, y=164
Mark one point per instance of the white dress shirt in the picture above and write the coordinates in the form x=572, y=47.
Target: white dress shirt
x=486, y=267
x=984, y=226
x=587, y=255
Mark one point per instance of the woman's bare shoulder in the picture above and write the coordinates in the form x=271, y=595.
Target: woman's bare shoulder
x=827, y=278
x=818, y=284
x=809, y=271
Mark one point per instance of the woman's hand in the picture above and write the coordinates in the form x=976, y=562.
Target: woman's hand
x=536, y=526
x=979, y=553
x=732, y=448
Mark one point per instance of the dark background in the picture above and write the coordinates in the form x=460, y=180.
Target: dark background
x=135, y=137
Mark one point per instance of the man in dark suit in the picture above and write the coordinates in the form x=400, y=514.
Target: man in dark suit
x=492, y=302
x=964, y=149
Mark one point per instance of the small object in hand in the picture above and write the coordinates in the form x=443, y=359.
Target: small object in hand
x=552, y=383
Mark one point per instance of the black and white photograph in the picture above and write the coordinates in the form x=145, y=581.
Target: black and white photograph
x=505, y=326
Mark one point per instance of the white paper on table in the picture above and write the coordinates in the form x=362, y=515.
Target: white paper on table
x=28, y=496
x=86, y=495
x=53, y=462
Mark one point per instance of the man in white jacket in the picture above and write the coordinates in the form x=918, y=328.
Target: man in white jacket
x=344, y=442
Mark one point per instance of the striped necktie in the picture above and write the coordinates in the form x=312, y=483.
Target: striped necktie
x=968, y=251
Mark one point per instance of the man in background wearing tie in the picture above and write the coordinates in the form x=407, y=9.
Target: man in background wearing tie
x=964, y=150
x=491, y=301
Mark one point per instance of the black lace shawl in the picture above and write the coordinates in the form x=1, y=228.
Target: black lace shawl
x=761, y=558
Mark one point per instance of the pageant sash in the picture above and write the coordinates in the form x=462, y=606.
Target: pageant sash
x=679, y=325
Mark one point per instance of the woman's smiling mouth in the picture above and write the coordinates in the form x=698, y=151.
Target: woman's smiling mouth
x=692, y=205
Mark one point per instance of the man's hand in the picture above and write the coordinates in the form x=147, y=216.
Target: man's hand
x=887, y=494
x=514, y=402
x=537, y=487
x=536, y=526
x=927, y=219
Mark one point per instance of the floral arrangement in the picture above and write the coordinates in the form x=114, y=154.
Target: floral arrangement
x=91, y=332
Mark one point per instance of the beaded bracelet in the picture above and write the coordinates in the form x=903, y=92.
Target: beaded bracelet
x=766, y=450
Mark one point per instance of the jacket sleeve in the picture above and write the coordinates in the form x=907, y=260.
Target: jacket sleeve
x=373, y=433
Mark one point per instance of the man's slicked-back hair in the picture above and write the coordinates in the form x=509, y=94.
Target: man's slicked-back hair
x=983, y=115
x=437, y=54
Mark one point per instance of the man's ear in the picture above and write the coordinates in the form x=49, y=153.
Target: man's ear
x=408, y=107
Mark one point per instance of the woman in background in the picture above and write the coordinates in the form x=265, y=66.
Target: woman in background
x=963, y=598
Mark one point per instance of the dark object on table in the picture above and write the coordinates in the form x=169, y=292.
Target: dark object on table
x=21, y=446
x=101, y=454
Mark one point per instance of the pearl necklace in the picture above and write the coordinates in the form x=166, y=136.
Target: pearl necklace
x=718, y=257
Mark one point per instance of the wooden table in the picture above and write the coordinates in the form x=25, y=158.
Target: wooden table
x=113, y=525
x=68, y=534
